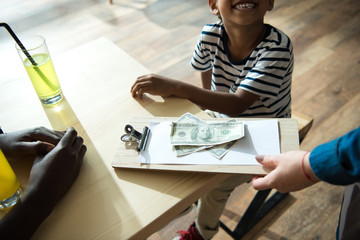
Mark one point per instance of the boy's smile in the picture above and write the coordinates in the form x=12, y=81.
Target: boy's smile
x=242, y=12
x=244, y=5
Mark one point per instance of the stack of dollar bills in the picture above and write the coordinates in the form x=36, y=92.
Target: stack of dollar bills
x=190, y=134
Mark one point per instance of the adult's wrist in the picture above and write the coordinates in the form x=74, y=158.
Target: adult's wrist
x=22, y=221
x=308, y=172
x=34, y=199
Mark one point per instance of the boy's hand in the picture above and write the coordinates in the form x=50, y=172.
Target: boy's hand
x=153, y=84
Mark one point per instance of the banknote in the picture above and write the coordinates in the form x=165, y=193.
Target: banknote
x=221, y=150
x=217, y=151
x=186, y=149
x=190, y=118
x=205, y=134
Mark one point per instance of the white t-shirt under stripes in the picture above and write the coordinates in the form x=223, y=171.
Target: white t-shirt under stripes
x=265, y=72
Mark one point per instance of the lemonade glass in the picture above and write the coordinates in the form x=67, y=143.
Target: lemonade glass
x=10, y=188
x=38, y=64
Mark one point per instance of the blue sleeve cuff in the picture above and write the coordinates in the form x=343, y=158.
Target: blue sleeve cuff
x=337, y=162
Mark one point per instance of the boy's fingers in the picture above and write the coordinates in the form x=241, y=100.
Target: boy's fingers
x=135, y=85
x=140, y=77
x=140, y=92
x=137, y=90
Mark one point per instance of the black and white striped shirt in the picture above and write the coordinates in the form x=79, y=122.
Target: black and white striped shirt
x=265, y=72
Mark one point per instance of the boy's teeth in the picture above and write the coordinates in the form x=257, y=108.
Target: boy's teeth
x=245, y=5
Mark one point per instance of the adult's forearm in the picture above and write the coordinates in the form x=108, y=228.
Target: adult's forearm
x=23, y=219
x=338, y=161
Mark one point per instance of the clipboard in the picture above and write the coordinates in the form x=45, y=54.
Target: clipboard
x=127, y=154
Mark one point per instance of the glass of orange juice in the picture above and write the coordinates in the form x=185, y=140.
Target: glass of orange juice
x=10, y=188
x=39, y=66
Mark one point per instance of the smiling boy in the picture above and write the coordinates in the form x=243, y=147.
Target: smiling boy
x=246, y=68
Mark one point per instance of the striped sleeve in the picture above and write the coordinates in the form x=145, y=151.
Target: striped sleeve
x=267, y=76
x=205, y=47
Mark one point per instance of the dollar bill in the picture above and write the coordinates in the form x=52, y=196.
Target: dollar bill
x=185, y=150
x=189, y=118
x=203, y=134
x=219, y=151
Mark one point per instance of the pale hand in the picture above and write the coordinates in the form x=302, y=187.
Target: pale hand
x=287, y=174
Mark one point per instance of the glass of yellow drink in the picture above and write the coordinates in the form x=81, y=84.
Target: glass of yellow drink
x=38, y=64
x=10, y=189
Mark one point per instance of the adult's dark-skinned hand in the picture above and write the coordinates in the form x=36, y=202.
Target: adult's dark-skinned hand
x=51, y=177
x=29, y=142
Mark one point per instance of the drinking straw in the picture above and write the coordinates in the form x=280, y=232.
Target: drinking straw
x=17, y=40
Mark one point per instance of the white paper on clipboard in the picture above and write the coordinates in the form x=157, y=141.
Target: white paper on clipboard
x=261, y=138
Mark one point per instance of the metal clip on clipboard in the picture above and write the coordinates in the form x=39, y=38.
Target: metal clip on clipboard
x=134, y=136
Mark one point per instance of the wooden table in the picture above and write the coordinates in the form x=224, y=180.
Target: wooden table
x=103, y=203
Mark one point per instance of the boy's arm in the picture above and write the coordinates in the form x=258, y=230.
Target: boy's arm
x=231, y=104
x=206, y=79
x=216, y=101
